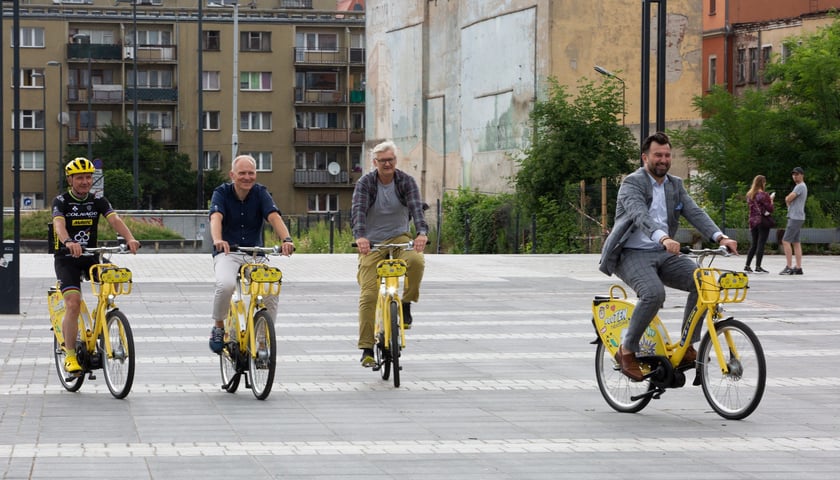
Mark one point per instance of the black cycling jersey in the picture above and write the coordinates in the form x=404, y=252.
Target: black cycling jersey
x=81, y=217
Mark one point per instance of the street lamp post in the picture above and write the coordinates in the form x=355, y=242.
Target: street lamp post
x=54, y=63
x=234, y=136
x=607, y=73
x=135, y=160
x=43, y=77
x=85, y=38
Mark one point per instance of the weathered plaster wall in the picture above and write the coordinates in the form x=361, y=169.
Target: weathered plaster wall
x=453, y=82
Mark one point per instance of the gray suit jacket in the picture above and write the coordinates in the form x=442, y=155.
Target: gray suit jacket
x=632, y=213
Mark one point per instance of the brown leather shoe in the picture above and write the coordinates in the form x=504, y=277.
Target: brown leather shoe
x=629, y=365
x=689, y=358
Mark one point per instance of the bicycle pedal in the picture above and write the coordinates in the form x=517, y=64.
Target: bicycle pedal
x=376, y=368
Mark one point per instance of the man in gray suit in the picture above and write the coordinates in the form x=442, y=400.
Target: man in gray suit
x=641, y=252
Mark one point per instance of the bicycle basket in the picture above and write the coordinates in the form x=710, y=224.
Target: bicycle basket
x=259, y=279
x=716, y=286
x=394, y=267
x=117, y=279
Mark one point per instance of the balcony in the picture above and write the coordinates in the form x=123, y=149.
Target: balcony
x=94, y=51
x=152, y=95
x=319, y=177
x=319, y=97
x=338, y=56
x=102, y=93
x=152, y=53
x=328, y=136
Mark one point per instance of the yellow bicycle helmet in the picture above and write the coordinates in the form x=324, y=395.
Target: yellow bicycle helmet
x=79, y=165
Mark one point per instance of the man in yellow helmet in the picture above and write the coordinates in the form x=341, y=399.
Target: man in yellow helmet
x=75, y=215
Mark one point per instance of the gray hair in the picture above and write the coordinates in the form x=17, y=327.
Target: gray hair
x=242, y=157
x=383, y=147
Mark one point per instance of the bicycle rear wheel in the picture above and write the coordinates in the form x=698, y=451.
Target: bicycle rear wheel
x=119, y=367
x=736, y=394
x=616, y=388
x=394, y=346
x=70, y=382
x=262, y=365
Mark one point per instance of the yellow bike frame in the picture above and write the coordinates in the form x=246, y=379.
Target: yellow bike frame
x=390, y=271
x=257, y=280
x=715, y=287
x=107, y=282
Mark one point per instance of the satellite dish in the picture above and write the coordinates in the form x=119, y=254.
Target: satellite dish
x=333, y=168
x=63, y=118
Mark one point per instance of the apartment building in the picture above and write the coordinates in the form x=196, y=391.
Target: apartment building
x=740, y=37
x=282, y=80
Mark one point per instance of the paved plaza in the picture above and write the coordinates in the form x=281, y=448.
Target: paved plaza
x=498, y=382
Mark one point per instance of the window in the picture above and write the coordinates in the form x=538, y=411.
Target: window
x=212, y=160
x=356, y=161
x=32, y=77
x=314, y=160
x=211, y=121
x=712, y=7
x=317, y=41
x=741, y=66
x=255, y=41
x=211, y=41
x=753, y=64
x=150, y=78
x=30, y=120
x=712, y=71
x=152, y=37
x=255, y=121
x=255, y=81
x=263, y=160
x=316, y=120
x=766, y=58
x=322, y=81
x=31, y=160
x=357, y=120
x=786, y=52
x=323, y=202
x=31, y=37
x=210, y=81
x=155, y=120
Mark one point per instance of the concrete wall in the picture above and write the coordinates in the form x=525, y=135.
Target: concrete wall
x=453, y=83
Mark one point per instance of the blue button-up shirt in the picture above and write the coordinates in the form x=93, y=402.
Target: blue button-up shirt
x=242, y=220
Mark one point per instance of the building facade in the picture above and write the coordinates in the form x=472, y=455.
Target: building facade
x=283, y=80
x=740, y=37
x=454, y=82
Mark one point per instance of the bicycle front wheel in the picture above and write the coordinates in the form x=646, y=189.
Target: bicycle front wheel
x=262, y=364
x=616, y=388
x=70, y=382
x=734, y=395
x=119, y=366
x=394, y=346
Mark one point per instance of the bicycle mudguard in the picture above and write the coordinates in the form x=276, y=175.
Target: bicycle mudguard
x=611, y=316
x=393, y=267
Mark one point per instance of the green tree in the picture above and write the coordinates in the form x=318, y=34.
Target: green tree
x=165, y=180
x=796, y=121
x=575, y=139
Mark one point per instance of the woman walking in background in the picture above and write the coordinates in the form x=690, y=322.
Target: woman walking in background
x=761, y=221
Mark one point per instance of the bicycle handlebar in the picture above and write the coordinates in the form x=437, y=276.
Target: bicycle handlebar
x=275, y=250
x=702, y=253
x=379, y=246
x=89, y=252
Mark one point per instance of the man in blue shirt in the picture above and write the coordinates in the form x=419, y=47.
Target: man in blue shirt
x=237, y=212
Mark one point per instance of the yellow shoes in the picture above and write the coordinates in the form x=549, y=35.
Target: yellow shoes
x=71, y=365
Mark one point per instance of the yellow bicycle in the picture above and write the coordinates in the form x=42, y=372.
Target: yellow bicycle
x=250, y=342
x=105, y=339
x=389, y=326
x=730, y=360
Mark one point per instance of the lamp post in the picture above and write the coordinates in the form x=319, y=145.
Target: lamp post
x=234, y=136
x=200, y=162
x=607, y=73
x=85, y=38
x=43, y=77
x=54, y=63
x=135, y=160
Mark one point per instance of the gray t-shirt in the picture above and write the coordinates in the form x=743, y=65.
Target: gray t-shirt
x=387, y=217
x=796, y=209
